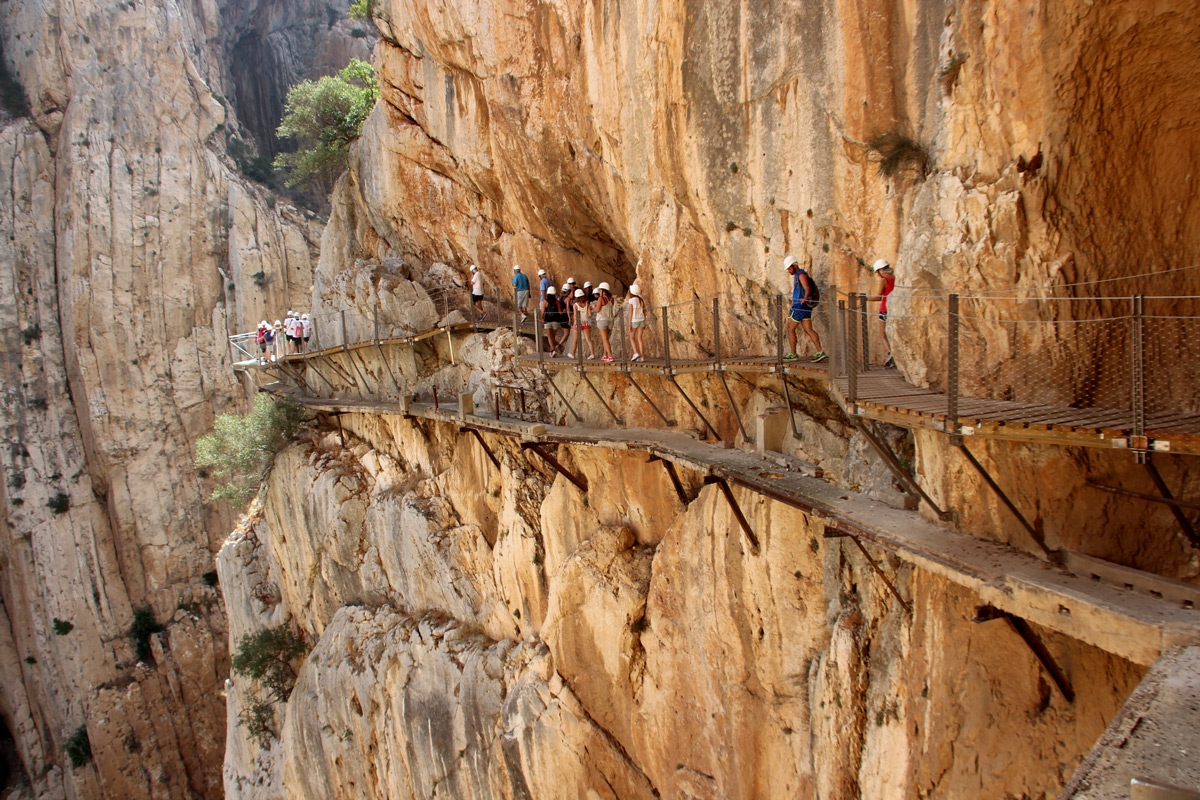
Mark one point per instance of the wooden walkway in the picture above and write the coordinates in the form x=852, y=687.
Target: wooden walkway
x=1084, y=603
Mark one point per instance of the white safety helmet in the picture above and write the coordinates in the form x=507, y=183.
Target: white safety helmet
x=880, y=264
x=304, y=316
x=605, y=287
x=541, y=272
x=474, y=268
x=566, y=287
x=634, y=288
x=790, y=262
x=278, y=323
x=516, y=267
x=571, y=281
x=264, y=324
x=579, y=292
x=587, y=284
x=551, y=290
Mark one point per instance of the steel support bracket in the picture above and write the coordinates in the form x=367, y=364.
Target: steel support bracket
x=646, y=397
x=1184, y=523
x=834, y=534
x=599, y=397
x=995, y=487
x=674, y=476
x=550, y=380
x=579, y=480
x=737, y=510
x=479, y=438
x=898, y=469
x=693, y=406
x=1035, y=645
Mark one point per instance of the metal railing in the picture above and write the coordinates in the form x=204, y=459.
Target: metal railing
x=1134, y=355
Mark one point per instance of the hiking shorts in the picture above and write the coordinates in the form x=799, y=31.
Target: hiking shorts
x=552, y=326
x=800, y=313
x=522, y=298
x=476, y=298
x=604, y=324
x=637, y=323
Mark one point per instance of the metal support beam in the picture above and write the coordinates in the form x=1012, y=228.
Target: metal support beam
x=1137, y=361
x=646, y=397
x=579, y=480
x=1016, y=512
x=733, y=407
x=831, y=534
x=1186, y=524
x=388, y=367
x=356, y=356
x=716, y=316
x=674, y=476
x=737, y=510
x=550, y=380
x=599, y=397
x=479, y=438
x=952, y=378
x=1035, y=645
x=898, y=469
x=313, y=366
x=787, y=393
x=703, y=419
x=1171, y=501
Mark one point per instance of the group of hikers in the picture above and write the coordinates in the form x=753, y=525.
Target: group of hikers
x=568, y=313
x=286, y=337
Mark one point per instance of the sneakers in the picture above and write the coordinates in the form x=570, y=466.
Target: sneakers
x=819, y=357
x=606, y=359
x=636, y=357
x=479, y=318
x=890, y=362
x=592, y=357
x=790, y=357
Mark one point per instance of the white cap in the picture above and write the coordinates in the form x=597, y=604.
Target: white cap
x=605, y=287
x=880, y=264
x=551, y=290
x=541, y=272
x=587, y=284
x=634, y=288
x=516, y=267
x=304, y=316
x=567, y=286
x=474, y=268
x=579, y=292
x=790, y=262
x=277, y=322
x=570, y=280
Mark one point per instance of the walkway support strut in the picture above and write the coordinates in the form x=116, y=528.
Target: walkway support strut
x=579, y=480
x=898, y=469
x=962, y=447
x=737, y=510
x=1035, y=645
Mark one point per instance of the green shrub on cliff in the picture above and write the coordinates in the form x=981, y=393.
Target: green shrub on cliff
x=266, y=657
x=240, y=449
x=325, y=117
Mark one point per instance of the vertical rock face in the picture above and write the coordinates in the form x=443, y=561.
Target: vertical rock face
x=127, y=259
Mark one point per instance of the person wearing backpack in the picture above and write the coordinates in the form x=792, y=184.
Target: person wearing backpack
x=805, y=296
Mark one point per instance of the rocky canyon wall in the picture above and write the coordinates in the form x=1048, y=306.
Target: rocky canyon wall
x=130, y=249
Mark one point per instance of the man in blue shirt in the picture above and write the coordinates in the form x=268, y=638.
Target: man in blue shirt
x=521, y=284
x=804, y=296
x=544, y=283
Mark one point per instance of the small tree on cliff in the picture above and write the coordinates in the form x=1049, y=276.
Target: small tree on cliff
x=240, y=449
x=325, y=117
x=266, y=657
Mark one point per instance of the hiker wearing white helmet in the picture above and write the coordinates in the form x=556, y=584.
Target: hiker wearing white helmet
x=553, y=320
x=885, y=281
x=604, y=309
x=477, y=292
x=260, y=338
x=305, y=332
x=581, y=323
x=521, y=287
x=277, y=330
x=637, y=321
x=805, y=297
x=544, y=283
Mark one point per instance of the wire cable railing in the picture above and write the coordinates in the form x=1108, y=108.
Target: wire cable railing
x=1134, y=356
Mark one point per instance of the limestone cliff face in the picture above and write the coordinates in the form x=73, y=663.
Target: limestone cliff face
x=129, y=249
x=689, y=148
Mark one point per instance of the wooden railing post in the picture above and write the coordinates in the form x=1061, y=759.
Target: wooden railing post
x=375, y=339
x=342, y=313
x=952, y=322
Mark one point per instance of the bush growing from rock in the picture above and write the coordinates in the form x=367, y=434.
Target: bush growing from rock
x=240, y=448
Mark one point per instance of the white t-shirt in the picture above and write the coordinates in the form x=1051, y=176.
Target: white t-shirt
x=290, y=327
x=306, y=328
x=477, y=283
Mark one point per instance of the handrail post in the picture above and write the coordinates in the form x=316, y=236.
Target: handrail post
x=866, y=332
x=1138, y=378
x=343, y=316
x=717, y=331
x=952, y=324
x=375, y=340
x=779, y=331
x=852, y=354
x=666, y=341
x=516, y=311
x=578, y=342
x=538, y=332
x=834, y=345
